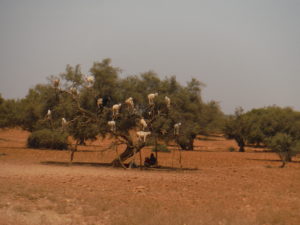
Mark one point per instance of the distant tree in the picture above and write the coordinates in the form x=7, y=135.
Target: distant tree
x=275, y=127
x=213, y=119
x=10, y=110
x=285, y=146
x=237, y=128
x=35, y=106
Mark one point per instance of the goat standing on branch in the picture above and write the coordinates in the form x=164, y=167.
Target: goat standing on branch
x=176, y=129
x=142, y=135
x=56, y=83
x=129, y=102
x=143, y=123
x=89, y=80
x=112, y=125
x=168, y=101
x=116, y=109
x=99, y=102
x=64, y=123
x=49, y=114
x=151, y=98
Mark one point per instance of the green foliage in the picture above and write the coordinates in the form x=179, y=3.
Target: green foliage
x=72, y=76
x=106, y=78
x=271, y=126
x=237, y=128
x=36, y=104
x=50, y=139
x=81, y=129
x=161, y=148
x=10, y=112
x=231, y=149
x=213, y=118
x=284, y=145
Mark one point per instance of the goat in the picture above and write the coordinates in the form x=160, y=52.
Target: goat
x=168, y=101
x=112, y=125
x=56, y=83
x=90, y=79
x=64, y=123
x=116, y=109
x=129, y=102
x=49, y=113
x=143, y=123
x=142, y=135
x=99, y=102
x=151, y=98
x=176, y=128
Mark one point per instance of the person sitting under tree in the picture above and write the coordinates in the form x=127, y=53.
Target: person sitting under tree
x=150, y=161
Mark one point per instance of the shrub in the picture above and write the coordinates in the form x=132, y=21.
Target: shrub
x=231, y=149
x=50, y=139
x=284, y=145
x=186, y=141
x=161, y=148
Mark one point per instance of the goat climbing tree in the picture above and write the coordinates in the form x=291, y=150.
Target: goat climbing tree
x=127, y=125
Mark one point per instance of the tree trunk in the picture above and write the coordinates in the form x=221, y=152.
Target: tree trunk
x=288, y=157
x=242, y=149
x=191, y=143
x=283, y=164
x=129, y=151
x=241, y=143
x=285, y=158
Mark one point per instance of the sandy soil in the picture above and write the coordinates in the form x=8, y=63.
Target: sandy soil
x=215, y=186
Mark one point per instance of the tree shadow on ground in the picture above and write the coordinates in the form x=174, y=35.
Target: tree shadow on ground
x=92, y=164
x=11, y=147
x=259, y=151
x=109, y=165
x=47, y=149
x=272, y=160
x=209, y=138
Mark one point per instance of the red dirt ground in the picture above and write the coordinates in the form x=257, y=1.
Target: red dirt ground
x=215, y=186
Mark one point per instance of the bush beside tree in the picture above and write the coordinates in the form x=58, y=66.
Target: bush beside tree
x=49, y=139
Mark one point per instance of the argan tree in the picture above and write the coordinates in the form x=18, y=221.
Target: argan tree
x=237, y=128
x=86, y=104
x=274, y=127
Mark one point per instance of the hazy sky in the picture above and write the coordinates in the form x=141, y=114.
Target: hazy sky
x=246, y=52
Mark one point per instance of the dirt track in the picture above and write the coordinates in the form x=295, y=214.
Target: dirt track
x=217, y=187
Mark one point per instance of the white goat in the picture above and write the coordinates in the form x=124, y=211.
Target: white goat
x=177, y=128
x=151, y=98
x=49, y=113
x=142, y=135
x=99, y=102
x=90, y=79
x=168, y=101
x=56, y=83
x=143, y=123
x=116, y=109
x=112, y=125
x=129, y=102
x=64, y=123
